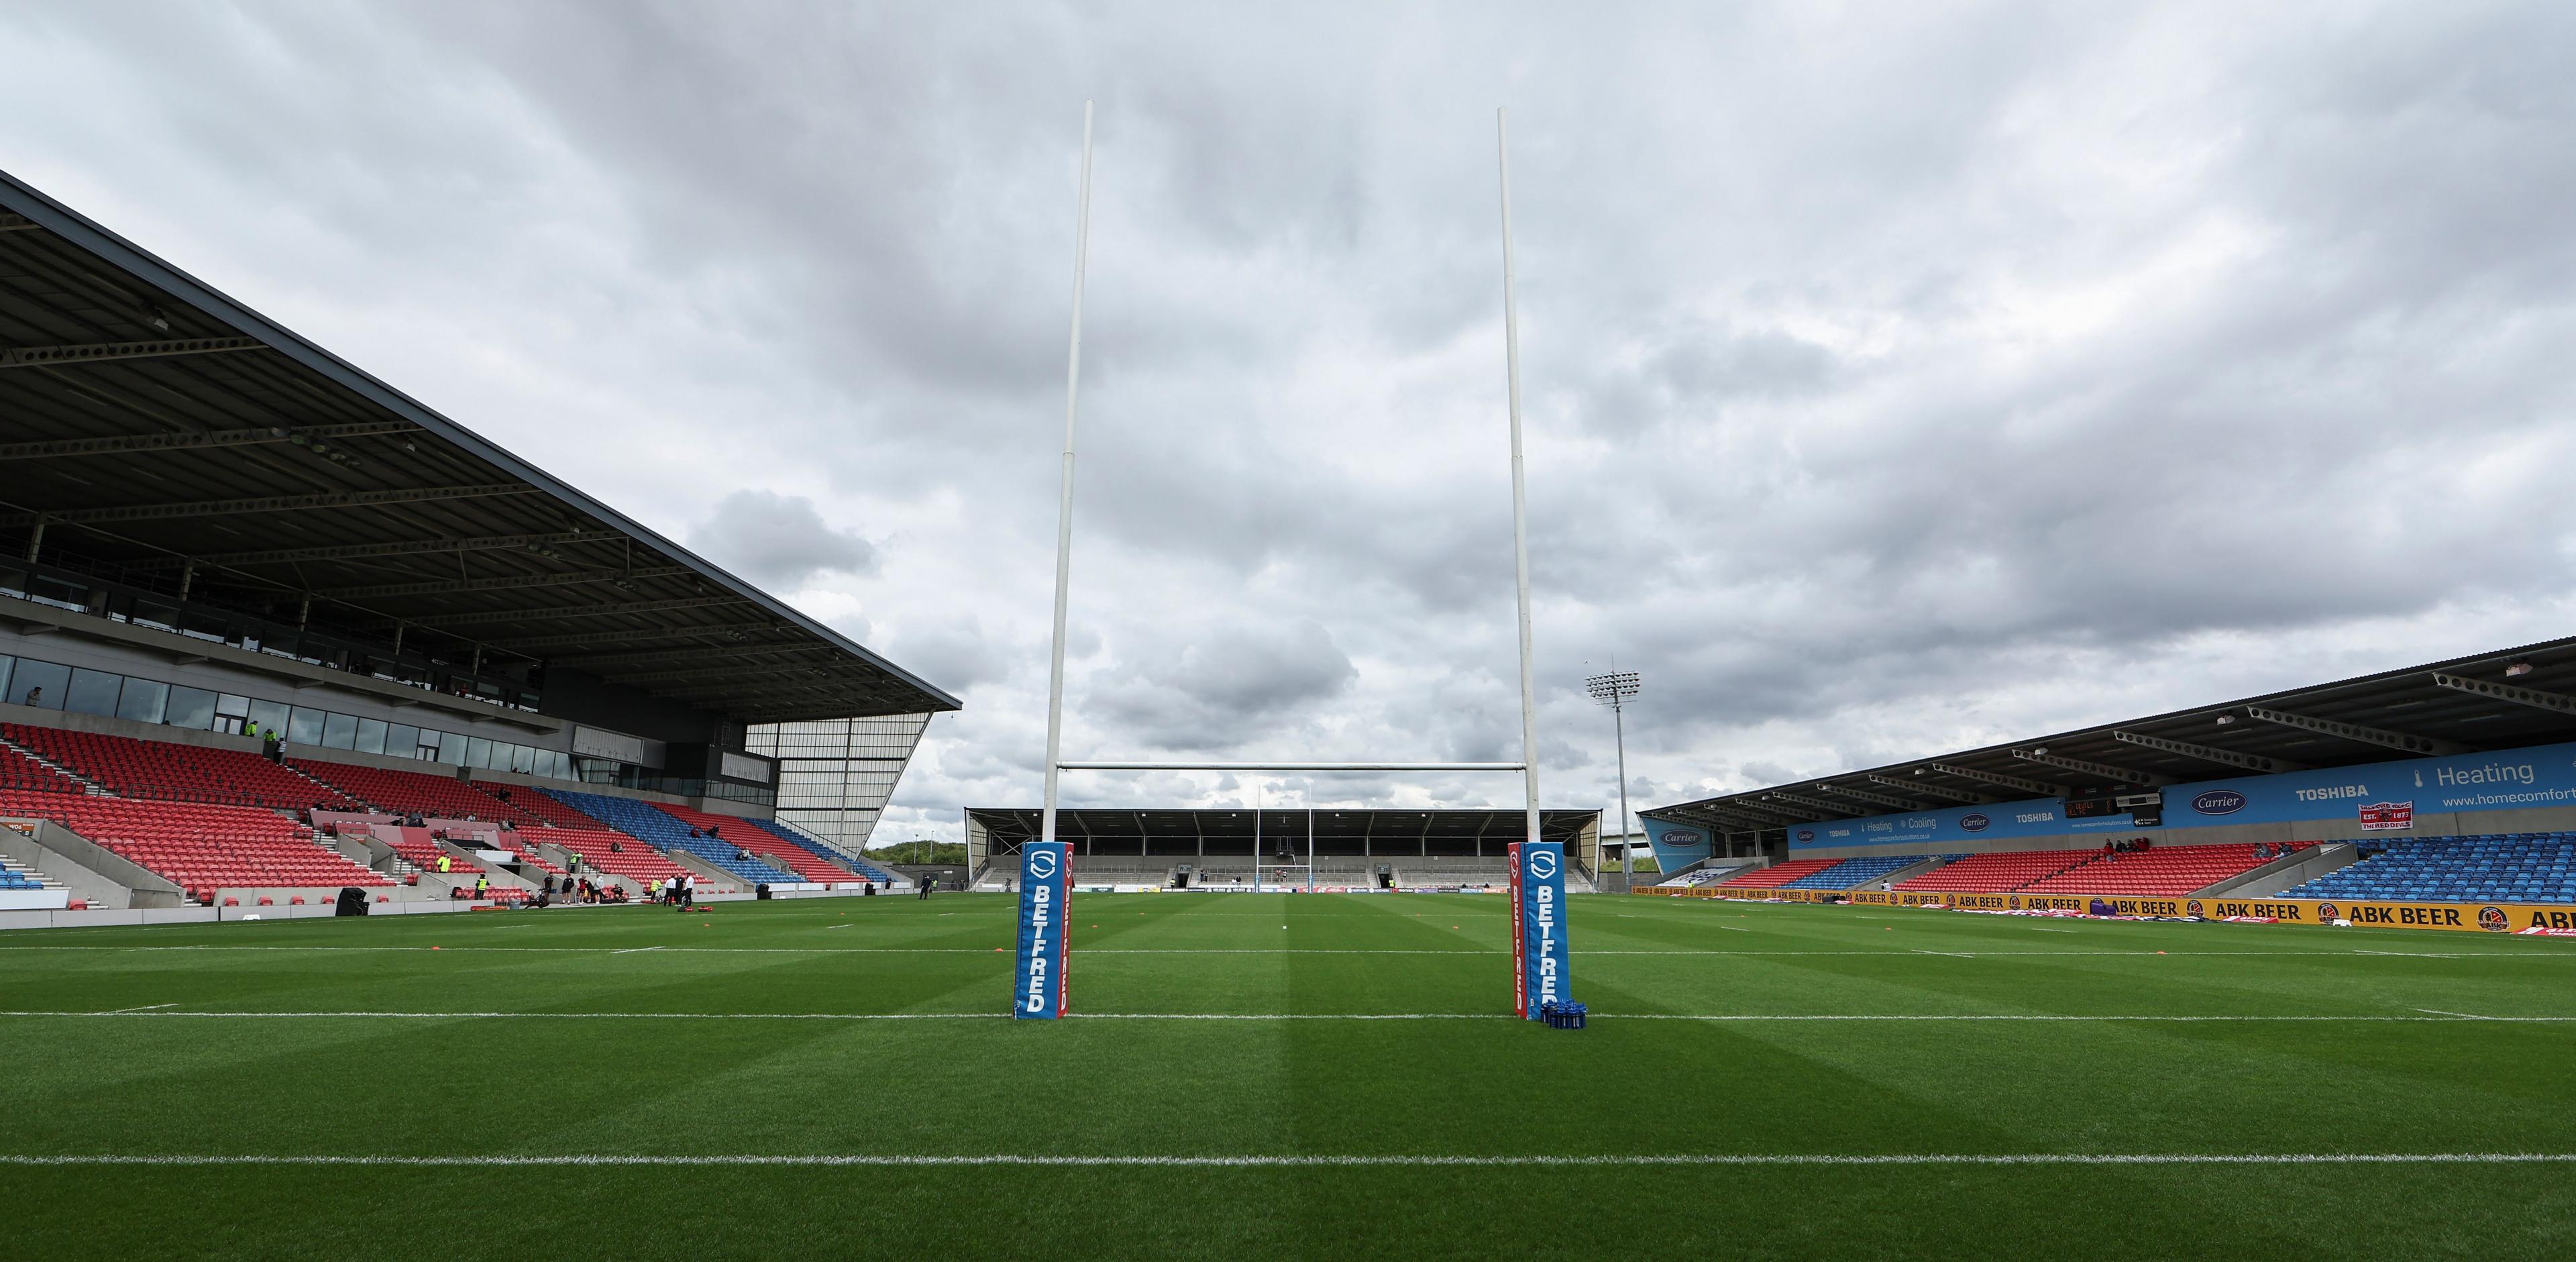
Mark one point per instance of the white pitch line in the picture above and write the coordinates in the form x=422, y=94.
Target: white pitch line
x=130, y=1013
x=1953, y=954
x=149, y=1007
x=1305, y=1160
x=633, y=950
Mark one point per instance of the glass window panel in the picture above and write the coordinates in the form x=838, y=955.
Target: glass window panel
x=227, y=703
x=5, y=664
x=402, y=740
x=192, y=708
x=93, y=692
x=339, y=731
x=39, y=684
x=478, y=752
x=143, y=701
x=270, y=715
x=303, y=726
x=451, y=749
x=522, y=759
x=371, y=736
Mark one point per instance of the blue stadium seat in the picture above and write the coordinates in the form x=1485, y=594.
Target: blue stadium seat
x=2494, y=867
x=639, y=819
x=1854, y=873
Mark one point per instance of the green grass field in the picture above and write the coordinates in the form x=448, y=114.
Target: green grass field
x=829, y=1078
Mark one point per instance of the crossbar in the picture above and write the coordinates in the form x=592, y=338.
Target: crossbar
x=1292, y=766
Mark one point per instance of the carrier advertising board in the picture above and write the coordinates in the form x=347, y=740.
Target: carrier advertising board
x=2385, y=795
x=1046, y=872
x=1676, y=846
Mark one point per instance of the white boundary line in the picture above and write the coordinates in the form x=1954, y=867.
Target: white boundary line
x=2537, y=953
x=2432, y=1019
x=1307, y=1160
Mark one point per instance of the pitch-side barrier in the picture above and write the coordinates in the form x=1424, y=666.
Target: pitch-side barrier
x=2536, y=919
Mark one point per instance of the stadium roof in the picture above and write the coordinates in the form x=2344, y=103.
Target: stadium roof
x=2465, y=705
x=173, y=439
x=1010, y=826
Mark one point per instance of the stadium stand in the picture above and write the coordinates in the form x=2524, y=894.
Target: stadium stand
x=200, y=848
x=2169, y=870
x=440, y=796
x=641, y=820
x=1854, y=873
x=734, y=831
x=1777, y=875
x=2492, y=867
x=607, y=851
x=173, y=772
x=2000, y=873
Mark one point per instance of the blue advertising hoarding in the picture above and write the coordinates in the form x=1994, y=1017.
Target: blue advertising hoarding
x=1046, y=872
x=2380, y=796
x=1543, y=967
x=1676, y=846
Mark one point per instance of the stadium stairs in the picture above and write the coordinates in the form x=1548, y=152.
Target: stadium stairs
x=861, y=864
x=2485, y=868
x=1700, y=874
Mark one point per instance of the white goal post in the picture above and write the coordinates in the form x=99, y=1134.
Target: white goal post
x=1056, y=764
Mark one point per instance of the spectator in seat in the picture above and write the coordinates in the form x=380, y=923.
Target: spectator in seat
x=617, y=847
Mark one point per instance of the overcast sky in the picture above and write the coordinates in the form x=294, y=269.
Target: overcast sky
x=1897, y=379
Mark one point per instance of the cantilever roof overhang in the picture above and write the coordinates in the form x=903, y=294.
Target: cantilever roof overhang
x=173, y=438
x=2465, y=705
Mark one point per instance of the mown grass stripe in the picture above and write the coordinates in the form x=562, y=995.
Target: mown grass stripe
x=1299, y=1159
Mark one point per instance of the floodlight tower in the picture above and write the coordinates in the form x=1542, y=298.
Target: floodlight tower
x=1613, y=690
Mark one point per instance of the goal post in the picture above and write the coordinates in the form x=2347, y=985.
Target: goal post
x=1056, y=765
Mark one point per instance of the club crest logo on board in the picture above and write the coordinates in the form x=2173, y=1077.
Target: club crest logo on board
x=2493, y=919
x=2191, y=908
x=2326, y=911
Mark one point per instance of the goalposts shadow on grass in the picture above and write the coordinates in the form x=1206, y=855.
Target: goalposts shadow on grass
x=1043, y=937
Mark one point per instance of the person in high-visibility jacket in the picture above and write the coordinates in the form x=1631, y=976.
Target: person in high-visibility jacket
x=445, y=864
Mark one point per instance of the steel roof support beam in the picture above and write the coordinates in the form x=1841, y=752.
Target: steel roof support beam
x=620, y=635
x=575, y=611
x=503, y=583
x=94, y=352
x=269, y=504
x=2555, y=702
x=1923, y=789
x=2422, y=746
x=595, y=662
x=193, y=442
x=2210, y=753
x=1813, y=804
x=807, y=670
x=406, y=547
x=1865, y=795
x=2123, y=775
x=2039, y=787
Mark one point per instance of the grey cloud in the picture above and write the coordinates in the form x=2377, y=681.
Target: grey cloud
x=780, y=540
x=1894, y=381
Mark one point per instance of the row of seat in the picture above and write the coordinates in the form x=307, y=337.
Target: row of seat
x=642, y=820
x=2170, y=871
x=1852, y=874
x=860, y=864
x=172, y=771
x=2488, y=867
x=1777, y=875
